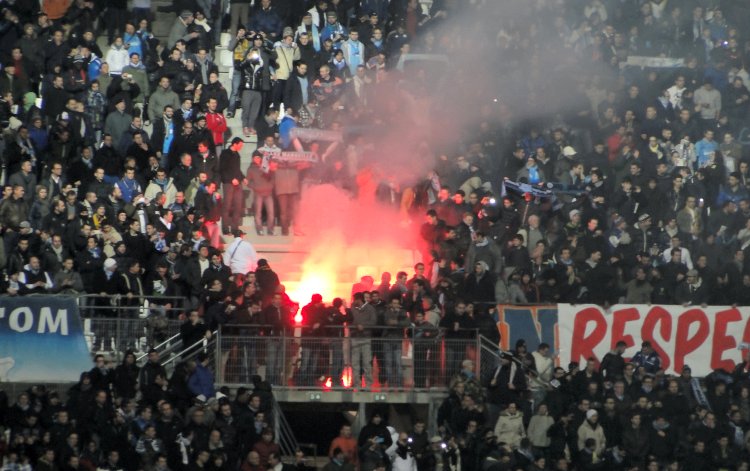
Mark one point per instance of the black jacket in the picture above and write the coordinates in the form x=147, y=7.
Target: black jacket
x=208, y=207
x=182, y=176
x=210, y=165
x=253, y=78
x=114, y=285
x=109, y=159
x=229, y=166
x=293, y=92
x=159, y=133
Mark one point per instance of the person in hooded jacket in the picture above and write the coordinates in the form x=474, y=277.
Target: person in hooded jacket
x=126, y=377
x=479, y=286
x=376, y=431
x=509, y=428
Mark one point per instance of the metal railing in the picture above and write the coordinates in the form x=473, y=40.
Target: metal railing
x=116, y=335
x=191, y=351
x=171, y=344
x=398, y=360
x=489, y=352
x=283, y=431
x=115, y=324
x=97, y=305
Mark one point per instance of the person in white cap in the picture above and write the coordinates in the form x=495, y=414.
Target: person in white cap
x=590, y=428
x=107, y=282
x=566, y=162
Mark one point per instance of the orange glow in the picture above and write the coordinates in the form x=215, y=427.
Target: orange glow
x=346, y=377
x=349, y=240
x=315, y=279
x=329, y=383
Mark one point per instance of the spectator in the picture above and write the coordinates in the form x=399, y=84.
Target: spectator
x=647, y=358
x=201, y=382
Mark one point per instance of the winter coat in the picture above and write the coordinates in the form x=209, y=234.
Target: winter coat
x=509, y=429
x=585, y=431
x=117, y=124
x=285, y=61
x=159, y=99
x=537, y=430
x=635, y=442
x=117, y=59
x=170, y=190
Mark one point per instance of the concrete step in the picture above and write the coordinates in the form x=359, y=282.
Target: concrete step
x=292, y=261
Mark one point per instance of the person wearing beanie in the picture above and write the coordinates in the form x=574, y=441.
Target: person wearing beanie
x=591, y=429
x=287, y=53
x=179, y=29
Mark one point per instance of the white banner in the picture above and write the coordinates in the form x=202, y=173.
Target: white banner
x=705, y=339
x=313, y=134
x=654, y=62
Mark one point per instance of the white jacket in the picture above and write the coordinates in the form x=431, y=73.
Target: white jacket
x=240, y=256
x=398, y=463
x=544, y=366
x=171, y=191
x=117, y=59
x=509, y=429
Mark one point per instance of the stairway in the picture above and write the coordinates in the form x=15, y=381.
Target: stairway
x=287, y=256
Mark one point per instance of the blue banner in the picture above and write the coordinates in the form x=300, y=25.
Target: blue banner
x=41, y=340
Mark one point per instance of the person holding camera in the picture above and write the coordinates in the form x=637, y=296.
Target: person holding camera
x=402, y=455
x=255, y=81
x=287, y=53
x=240, y=44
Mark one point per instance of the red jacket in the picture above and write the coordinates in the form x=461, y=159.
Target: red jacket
x=265, y=449
x=217, y=124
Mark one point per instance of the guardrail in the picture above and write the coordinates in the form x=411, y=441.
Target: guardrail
x=115, y=324
x=130, y=307
x=400, y=362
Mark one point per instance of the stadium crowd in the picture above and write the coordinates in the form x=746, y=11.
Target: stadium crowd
x=524, y=414
x=611, y=168
x=633, y=183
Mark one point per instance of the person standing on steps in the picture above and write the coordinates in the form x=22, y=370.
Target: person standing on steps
x=216, y=123
x=232, y=180
x=240, y=255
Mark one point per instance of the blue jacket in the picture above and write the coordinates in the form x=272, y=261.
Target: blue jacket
x=285, y=131
x=331, y=29
x=378, y=6
x=702, y=148
x=129, y=188
x=267, y=21
x=135, y=44
x=651, y=362
x=201, y=382
x=726, y=194
x=94, y=69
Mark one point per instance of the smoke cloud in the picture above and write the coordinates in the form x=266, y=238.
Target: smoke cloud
x=508, y=65
x=348, y=238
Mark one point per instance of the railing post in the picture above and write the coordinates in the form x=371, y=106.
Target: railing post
x=478, y=340
x=277, y=432
x=118, y=329
x=283, y=373
x=219, y=373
